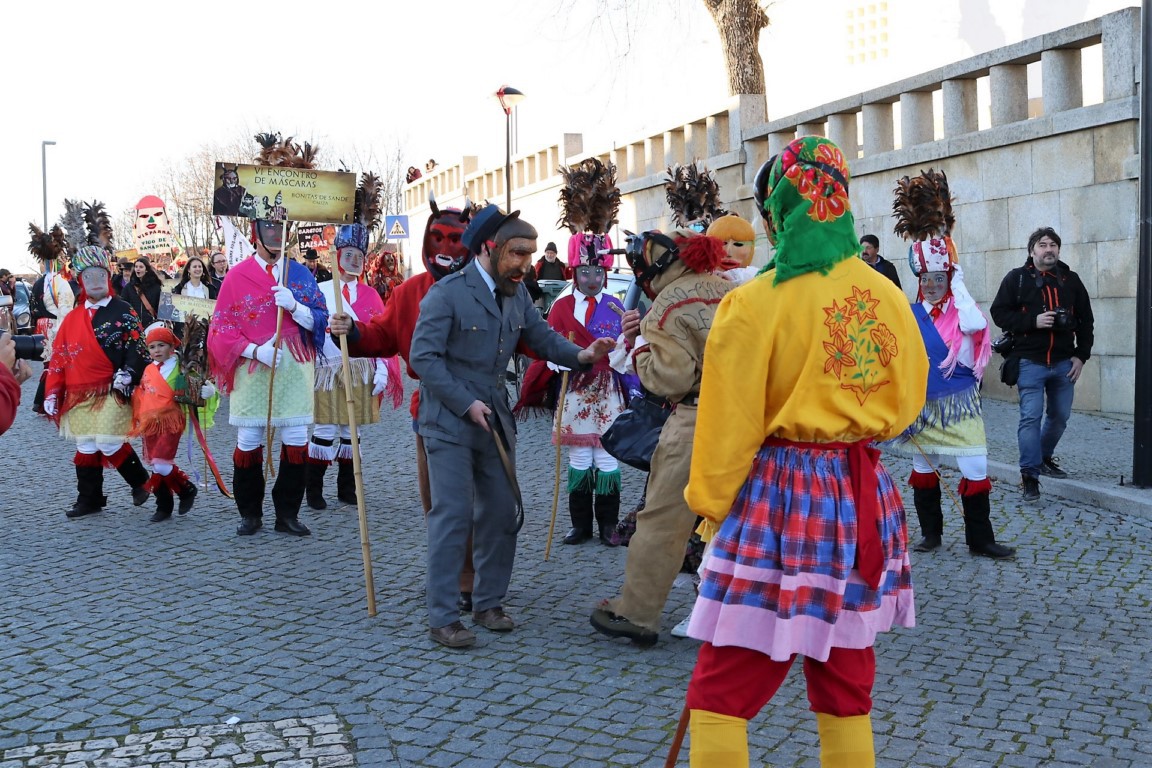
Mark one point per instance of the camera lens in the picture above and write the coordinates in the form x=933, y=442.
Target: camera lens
x=29, y=347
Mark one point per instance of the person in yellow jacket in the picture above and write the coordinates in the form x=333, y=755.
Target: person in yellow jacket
x=806, y=365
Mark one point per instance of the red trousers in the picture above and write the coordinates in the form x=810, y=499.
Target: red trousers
x=738, y=682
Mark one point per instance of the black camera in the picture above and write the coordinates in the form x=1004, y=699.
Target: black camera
x=29, y=347
x=1004, y=343
x=1063, y=319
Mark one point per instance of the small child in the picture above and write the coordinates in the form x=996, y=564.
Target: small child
x=159, y=418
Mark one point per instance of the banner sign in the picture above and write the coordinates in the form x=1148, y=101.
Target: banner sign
x=151, y=229
x=236, y=246
x=174, y=307
x=273, y=192
x=319, y=237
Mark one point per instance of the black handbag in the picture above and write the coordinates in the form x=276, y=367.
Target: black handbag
x=633, y=436
x=1010, y=370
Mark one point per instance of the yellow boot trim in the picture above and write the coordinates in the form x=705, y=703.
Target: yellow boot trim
x=845, y=742
x=718, y=741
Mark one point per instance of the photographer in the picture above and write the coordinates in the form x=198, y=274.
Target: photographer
x=1046, y=308
x=13, y=373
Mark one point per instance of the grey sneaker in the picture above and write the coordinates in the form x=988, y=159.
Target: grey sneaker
x=1031, y=488
x=1050, y=468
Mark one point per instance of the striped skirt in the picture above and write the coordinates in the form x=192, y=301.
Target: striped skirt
x=779, y=576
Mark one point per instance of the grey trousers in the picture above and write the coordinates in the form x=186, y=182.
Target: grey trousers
x=469, y=491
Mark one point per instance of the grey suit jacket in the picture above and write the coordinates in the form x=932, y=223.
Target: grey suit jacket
x=460, y=351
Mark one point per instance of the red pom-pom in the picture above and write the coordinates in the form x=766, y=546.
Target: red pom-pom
x=701, y=254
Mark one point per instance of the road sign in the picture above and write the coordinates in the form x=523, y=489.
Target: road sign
x=396, y=227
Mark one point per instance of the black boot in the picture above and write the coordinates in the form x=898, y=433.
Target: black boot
x=164, y=503
x=89, y=484
x=248, y=489
x=133, y=473
x=927, y=501
x=607, y=516
x=978, y=531
x=580, y=510
x=178, y=483
x=346, y=481
x=288, y=491
x=314, y=470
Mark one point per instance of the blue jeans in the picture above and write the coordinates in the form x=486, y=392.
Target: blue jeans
x=1036, y=381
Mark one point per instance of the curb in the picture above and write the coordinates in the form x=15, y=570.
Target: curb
x=1120, y=499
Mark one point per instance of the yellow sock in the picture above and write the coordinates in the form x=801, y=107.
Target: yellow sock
x=845, y=742
x=718, y=741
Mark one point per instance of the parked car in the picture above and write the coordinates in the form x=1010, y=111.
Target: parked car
x=21, y=309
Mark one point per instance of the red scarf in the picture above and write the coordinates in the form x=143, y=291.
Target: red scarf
x=78, y=370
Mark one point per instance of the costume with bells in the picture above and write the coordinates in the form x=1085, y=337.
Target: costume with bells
x=159, y=417
x=594, y=398
x=372, y=378
x=956, y=337
x=97, y=359
x=242, y=351
x=443, y=253
x=806, y=365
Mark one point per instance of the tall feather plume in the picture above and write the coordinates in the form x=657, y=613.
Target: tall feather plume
x=98, y=223
x=193, y=353
x=368, y=196
x=693, y=195
x=589, y=199
x=76, y=233
x=284, y=153
x=923, y=206
x=43, y=245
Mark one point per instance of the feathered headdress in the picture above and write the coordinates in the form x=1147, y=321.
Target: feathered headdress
x=75, y=232
x=285, y=153
x=98, y=224
x=367, y=214
x=46, y=246
x=589, y=199
x=923, y=210
x=693, y=196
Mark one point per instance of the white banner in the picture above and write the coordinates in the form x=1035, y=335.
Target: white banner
x=236, y=246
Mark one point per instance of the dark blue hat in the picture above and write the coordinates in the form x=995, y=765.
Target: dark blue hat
x=484, y=225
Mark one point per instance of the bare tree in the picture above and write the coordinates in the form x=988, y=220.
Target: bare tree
x=739, y=23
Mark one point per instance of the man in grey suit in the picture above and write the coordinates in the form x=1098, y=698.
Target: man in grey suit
x=470, y=324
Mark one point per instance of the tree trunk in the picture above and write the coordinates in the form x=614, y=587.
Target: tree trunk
x=739, y=23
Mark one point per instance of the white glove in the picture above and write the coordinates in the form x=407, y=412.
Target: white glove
x=380, y=382
x=50, y=405
x=284, y=298
x=268, y=354
x=556, y=367
x=207, y=390
x=122, y=382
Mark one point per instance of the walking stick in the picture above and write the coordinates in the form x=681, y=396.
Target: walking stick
x=556, y=487
x=677, y=739
x=357, y=470
x=269, y=467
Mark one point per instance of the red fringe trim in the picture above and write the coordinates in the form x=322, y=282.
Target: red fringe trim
x=157, y=423
x=252, y=458
x=313, y=460
x=154, y=482
x=923, y=480
x=975, y=487
x=294, y=454
x=115, y=460
x=88, y=459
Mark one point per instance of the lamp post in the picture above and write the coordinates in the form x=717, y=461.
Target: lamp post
x=508, y=97
x=44, y=176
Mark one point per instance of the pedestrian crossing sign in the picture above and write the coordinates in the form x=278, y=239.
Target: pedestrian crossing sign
x=396, y=227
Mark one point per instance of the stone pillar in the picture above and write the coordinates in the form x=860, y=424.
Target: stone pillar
x=1062, y=82
x=878, y=134
x=745, y=113
x=960, y=115
x=1120, y=41
x=778, y=140
x=916, y=123
x=717, y=128
x=1008, y=84
x=695, y=141
x=674, y=147
x=634, y=156
x=842, y=131
x=810, y=129
x=573, y=145
x=653, y=154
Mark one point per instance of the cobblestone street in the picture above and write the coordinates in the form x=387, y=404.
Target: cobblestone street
x=125, y=643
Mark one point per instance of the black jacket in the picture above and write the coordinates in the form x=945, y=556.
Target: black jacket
x=888, y=269
x=1025, y=293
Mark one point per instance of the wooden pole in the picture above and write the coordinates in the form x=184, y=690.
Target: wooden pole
x=677, y=739
x=357, y=470
x=556, y=487
x=269, y=466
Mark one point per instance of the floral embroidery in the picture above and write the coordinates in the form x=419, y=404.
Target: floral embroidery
x=861, y=347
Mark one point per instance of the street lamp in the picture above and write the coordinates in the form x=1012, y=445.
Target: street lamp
x=508, y=97
x=44, y=176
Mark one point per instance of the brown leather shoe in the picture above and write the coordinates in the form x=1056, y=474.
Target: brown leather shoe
x=455, y=635
x=494, y=619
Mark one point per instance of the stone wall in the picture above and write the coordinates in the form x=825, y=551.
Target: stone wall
x=1071, y=166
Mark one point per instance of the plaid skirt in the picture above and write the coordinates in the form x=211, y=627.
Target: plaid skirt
x=779, y=577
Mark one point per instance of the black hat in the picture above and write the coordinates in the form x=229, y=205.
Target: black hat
x=550, y=247
x=484, y=226
x=311, y=254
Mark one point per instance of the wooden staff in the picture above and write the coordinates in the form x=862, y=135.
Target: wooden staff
x=677, y=739
x=357, y=471
x=269, y=466
x=556, y=487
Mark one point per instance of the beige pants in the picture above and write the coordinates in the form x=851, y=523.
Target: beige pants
x=663, y=527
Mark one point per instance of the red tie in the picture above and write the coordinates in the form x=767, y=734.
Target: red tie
x=347, y=294
x=936, y=311
x=92, y=312
x=588, y=312
x=269, y=268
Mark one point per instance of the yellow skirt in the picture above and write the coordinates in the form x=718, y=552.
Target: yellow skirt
x=331, y=405
x=291, y=395
x=99, y=420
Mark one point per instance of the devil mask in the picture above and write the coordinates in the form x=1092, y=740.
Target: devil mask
x=443, y=251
